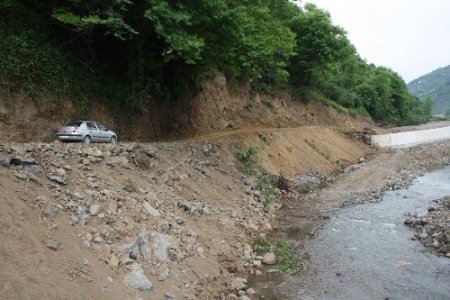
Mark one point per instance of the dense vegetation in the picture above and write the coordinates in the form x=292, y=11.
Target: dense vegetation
x=435, y=85
x=131, y=51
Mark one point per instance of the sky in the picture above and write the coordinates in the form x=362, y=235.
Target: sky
x=411, y=37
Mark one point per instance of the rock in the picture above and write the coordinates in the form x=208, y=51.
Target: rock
x=88, y=237
x=17, y=161
x=161, y=246
x=423, y=235
x=257, y=263
x=231, y=297
x=250, y=291
x=114, y=261
x=258, y=273
x=151, y=151
x=169, y=295
x=201, y=252
x=137, y=279
x=58, y=179
x=164, y=275
x=244, y=297
x=94, y=209
x=151, y=210
x=269, y=259
x=20, y=175
x=52, y=245
x=139, y=246
x=97, y=153
x=52, y=211
x=61, y=172
x=238, y=284
x=82, y=216
x=117, y=161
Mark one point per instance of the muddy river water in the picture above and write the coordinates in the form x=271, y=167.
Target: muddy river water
x=366, y=252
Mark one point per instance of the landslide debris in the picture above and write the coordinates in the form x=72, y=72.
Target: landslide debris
x=168, y=220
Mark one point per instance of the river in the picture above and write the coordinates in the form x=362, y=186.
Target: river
x=366, y=252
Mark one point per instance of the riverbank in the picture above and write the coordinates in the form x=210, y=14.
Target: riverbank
x=303, y=215
x=433, y=229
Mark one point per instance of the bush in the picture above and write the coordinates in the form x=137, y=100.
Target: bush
x=267, y=185
x=287, y=260
x=247, y=158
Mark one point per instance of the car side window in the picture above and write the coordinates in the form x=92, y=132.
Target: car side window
x=91, y=126
x=101, y=127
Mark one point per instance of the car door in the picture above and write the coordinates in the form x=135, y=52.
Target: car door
x=103, y=132
x=93, y=131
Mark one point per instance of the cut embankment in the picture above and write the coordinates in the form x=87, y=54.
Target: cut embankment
x=292, y=151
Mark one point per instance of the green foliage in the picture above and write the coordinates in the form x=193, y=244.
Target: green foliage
x=30, y=61
x=247, y=158
x=361, y=89
x=319, y=43
x=261, y=247
x=287, y=260
x=267, y=185
x=85, y=15
x=131, y=51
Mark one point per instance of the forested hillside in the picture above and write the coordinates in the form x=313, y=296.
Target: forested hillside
x=435, y=85
x=129, y=52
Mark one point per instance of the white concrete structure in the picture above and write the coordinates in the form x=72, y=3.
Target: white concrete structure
x=410, y=138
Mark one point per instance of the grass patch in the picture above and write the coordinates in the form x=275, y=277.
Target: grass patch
x=262, y=247
x=287, y=260
x=247, y=158
x=267, y=185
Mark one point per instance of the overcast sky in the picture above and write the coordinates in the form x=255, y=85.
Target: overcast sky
x=412, y=37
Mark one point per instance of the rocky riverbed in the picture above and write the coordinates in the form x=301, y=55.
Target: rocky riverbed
x=433, y=229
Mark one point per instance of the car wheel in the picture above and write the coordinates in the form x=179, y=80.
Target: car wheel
x=87, y=139
x=113, y=140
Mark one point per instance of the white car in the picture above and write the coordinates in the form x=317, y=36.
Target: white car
x=86, y=132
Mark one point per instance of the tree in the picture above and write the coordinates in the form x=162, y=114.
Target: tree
x=319, y=43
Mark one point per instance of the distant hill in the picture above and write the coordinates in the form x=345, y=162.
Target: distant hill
x=435, y=84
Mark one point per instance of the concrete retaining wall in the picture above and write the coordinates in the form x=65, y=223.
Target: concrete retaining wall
x=410, y=138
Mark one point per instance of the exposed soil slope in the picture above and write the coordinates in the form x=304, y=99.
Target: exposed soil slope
x=191, y=206
x=217, y=107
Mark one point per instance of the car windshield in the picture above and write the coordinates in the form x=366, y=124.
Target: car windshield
x=74, y=124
